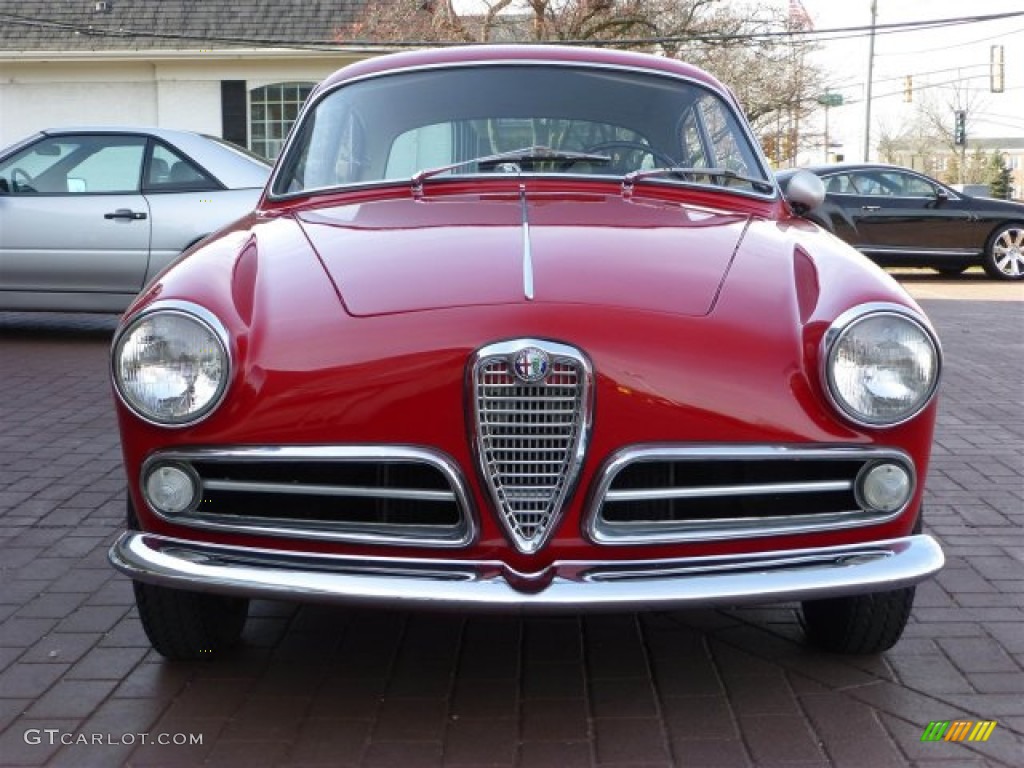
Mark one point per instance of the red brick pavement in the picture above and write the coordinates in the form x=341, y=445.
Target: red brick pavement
x=322, y=686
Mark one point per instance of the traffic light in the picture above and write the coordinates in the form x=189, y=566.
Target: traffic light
x=908, y=89
x=960, y=127
x=997, y=70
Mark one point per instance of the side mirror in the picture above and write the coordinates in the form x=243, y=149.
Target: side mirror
x=4, y=187
x=804, y=191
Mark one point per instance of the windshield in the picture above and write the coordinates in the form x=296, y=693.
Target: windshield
x=416, y=124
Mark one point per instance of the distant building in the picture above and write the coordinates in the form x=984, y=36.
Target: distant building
x=938, y=159
x=240, y=70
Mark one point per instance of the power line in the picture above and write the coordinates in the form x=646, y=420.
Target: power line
x=917, y=73
x=819, y=35
x=922, y=87
x=954, y=45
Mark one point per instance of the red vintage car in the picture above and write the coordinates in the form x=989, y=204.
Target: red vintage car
x=525, y=329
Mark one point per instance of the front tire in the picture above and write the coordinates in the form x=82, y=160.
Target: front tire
x=1004, y=254
x=859, y=624
x=185, y=626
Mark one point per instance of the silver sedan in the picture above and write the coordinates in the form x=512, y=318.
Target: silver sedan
x=88, y=216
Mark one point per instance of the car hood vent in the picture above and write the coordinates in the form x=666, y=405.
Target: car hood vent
x=532, y=412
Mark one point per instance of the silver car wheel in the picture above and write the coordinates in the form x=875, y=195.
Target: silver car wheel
x=1006, y=253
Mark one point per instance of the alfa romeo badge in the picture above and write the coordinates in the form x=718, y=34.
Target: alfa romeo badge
x=531, y=365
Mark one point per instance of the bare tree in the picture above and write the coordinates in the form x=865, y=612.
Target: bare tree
x=935, y=123
x=745, y=46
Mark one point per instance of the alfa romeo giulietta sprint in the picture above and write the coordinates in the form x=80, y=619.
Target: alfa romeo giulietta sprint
x=525, y=329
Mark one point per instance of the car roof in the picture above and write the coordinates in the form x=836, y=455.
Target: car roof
x=233, y=167
x=826, y=168
x=533, y=54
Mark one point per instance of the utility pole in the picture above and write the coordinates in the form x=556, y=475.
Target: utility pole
x=871, y=74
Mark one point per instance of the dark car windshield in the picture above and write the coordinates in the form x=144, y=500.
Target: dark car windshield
x=396, y=126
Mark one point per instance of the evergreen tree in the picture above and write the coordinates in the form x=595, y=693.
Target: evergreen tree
x=1000, y=175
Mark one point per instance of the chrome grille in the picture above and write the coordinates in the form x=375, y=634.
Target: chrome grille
x=372, y=494
x=663, y=493
x=530, y=435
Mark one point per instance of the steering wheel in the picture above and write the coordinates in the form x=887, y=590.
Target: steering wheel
x=25, y=186
x=637, y=146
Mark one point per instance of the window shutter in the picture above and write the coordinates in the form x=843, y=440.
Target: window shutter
x=234, y=117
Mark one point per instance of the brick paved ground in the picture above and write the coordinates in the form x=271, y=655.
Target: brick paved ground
x=318, y=686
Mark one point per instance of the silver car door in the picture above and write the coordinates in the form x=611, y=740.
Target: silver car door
x=186, y=203
x=72, y=218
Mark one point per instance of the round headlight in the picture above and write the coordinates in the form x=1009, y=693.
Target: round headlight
x=881, y=367
x=171, y=365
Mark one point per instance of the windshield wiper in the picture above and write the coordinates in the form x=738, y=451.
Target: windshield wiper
x=535, y=154
x=725, y=174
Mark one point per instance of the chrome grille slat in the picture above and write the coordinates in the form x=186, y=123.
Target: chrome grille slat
x=415, y=494
x=718, y=491
x=530, y=444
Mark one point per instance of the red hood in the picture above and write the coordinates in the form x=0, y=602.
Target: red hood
x=404, y=255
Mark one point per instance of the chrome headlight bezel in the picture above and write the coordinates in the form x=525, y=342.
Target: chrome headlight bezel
x=847, y=323
x=205, y=321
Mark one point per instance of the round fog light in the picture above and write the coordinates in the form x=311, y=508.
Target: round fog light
x=170, y=489
x=886, y=487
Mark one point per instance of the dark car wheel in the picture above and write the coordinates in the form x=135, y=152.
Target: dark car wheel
x=183, y=625
x=1004, y=255
x=189, y=625
x=860, y=624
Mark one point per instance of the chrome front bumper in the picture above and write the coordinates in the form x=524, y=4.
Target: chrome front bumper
x=565, y=586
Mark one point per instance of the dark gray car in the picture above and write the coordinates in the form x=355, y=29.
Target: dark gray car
x=88, y=216
x=899, y=217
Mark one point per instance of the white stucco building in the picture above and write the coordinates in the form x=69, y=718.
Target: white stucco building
x=239, y=70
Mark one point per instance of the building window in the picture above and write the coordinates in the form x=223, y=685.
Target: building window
x=272, y=110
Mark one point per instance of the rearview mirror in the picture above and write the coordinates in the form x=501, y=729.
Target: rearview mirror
x=804, y=191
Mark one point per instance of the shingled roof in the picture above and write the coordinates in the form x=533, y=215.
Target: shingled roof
x=119, y=25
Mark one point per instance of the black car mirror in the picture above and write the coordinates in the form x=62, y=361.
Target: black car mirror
x=5, y=188
x=804, y=191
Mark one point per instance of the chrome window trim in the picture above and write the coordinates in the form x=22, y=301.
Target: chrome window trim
x=855, y=315
x=575, y=463
x=463, y=534
x=886, y=250
x=196, y=312
x=319, y=95
x=601, y=532
x=951, y=194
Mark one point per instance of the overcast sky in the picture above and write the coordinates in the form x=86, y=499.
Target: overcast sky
x=933, y=58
